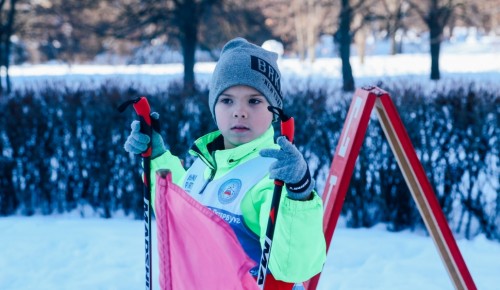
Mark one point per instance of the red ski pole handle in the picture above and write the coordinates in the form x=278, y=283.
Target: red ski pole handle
x=143, y=110
x=287, y=123
x=287, y=129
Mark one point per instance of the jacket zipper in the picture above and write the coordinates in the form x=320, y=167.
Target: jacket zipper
x=212, y=175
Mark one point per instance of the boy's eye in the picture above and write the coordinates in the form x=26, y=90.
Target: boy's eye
x=255, y=101
x=226, y=101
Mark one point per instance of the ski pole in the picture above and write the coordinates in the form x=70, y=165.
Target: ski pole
x=143, y=110
x=287, y=130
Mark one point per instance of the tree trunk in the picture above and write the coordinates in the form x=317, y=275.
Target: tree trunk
x=360, y=38
x=311, y=31
x=438, y=17
x=395, y=24
x=347, y=77
x=394, y=43
x=9, y=29
x=189, y=42
x=2, y=52
x=299, y=23
x=311, y=44
x=435, y=47
x=300, y=39
x=2, y=56
x=9, y=203
x=344, y=39
x=361, y=46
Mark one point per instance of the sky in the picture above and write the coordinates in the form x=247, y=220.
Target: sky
x=68, y=252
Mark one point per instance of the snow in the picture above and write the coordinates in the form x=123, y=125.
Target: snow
x=67, y=252
x=71, y=253
x=465, y=65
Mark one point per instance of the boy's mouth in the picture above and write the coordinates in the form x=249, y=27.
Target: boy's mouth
x=239, y=128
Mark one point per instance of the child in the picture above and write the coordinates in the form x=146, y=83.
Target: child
x=235, y=166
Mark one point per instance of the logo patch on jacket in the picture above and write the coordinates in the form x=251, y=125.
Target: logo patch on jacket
x=229, y=190
x=190, y=182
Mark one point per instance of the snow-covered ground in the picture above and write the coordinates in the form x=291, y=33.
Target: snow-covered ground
x=472, y=62
x=80, y=254
x=65, y=252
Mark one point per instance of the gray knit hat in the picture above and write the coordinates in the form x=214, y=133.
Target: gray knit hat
x=243, y=63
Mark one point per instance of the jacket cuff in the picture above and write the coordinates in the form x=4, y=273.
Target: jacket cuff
x=303, y=195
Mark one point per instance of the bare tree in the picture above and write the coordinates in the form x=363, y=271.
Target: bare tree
x=360, y=37
x=229, y=19
x=393, y=14
x=308, y=17
x=436, y=14
x=300, y=20
x=181, y=19
x=65, y=30
x=299, y=23
x=483, y=15
x=7, y=17
x=190, y=24
x=78, y=30
x=344, y=37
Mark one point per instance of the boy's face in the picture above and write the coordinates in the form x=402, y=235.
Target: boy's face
x=242, y=115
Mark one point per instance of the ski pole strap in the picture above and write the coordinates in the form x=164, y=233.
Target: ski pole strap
x=287, y=123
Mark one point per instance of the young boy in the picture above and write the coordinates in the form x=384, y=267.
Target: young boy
x=235, y=166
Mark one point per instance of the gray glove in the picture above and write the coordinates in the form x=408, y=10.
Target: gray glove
x=290, y=168
x=137, y=142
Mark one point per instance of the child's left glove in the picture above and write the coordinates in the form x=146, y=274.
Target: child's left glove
x=291, y=168
x=137, y=142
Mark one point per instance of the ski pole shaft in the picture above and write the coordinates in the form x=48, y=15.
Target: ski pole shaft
x=287, y=130
x=143, y=110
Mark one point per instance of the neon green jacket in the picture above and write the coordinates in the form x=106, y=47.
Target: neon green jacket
x=235, y=184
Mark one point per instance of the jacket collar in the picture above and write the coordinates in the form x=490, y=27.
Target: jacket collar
x=201, y=147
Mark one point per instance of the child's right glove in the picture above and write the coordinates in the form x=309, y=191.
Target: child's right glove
x=291, y=167
x=137, y=142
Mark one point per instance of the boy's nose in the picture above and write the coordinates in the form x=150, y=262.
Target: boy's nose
x=240, y=113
